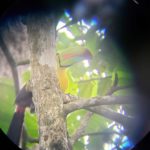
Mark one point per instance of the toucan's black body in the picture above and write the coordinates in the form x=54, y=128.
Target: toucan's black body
x=23, y=100
x=15, y=128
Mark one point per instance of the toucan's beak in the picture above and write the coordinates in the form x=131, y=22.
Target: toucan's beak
x=86, y=54
x=70, y=58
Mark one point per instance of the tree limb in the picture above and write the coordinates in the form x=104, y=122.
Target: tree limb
x=117, y=88
x=105, y=100
x=68, y=24
x=67, y=98
x=11, y=62
x=80, y=131
x=23, y=62
x=111, y=114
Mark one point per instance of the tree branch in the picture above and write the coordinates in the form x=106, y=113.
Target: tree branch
x=105, y=100
x=80, y=131
x=24, y=62
x=117, y=88
x=67, y=98
x=11, y=62
x=111, y=114
x=68, y=24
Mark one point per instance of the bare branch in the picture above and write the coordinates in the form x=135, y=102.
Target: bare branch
x=117, y=88
x=11, y=62
x=67, y=98
x=24, y=62
x=80, y=131
x=105, y=100
x=111, y=114
x=68, y=24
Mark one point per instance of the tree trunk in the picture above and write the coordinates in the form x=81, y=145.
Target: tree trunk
x=47, y=95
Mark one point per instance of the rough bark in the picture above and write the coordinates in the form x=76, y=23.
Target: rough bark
x=104, y=100
x=47, y=95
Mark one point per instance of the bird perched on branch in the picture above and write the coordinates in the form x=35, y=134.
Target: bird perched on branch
x=23, y=100
x=72, y=58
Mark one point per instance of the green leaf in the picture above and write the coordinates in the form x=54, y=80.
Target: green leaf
x=95, y=143
x=77, y=70
x=97, y=123
x=75, y=30
x=124, y=92
x=104, y=86
x=7, y=103
x=31, y=124
x=85, y=90
x=64, y=42
x=73, y=120
x=78, y=146
x=26, y=76
x=72, y=86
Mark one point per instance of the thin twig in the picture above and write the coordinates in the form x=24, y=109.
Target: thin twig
x=72, y=22
x=79, y=132
x=117, y=88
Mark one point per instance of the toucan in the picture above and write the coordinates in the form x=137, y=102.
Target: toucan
x=24, y=97
x=66, y=60
x=23, y=100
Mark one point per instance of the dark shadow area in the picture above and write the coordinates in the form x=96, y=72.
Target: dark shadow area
x=129, y=28
x=6, y=143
